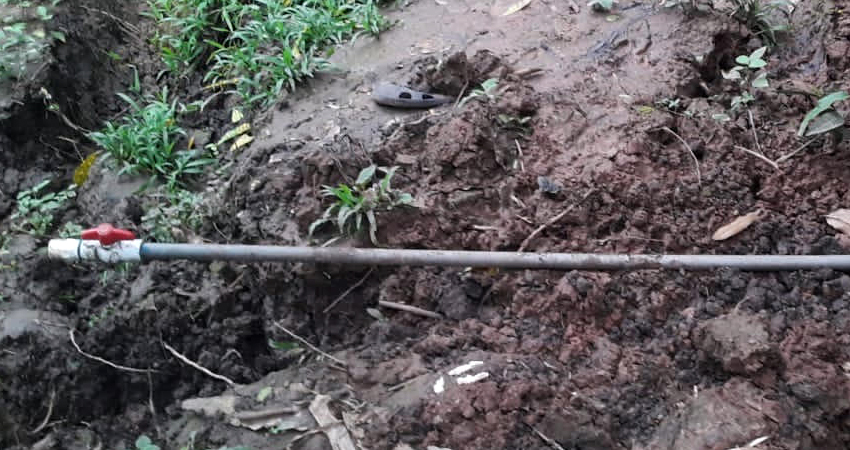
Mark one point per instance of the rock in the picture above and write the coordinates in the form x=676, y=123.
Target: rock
x=719, y=418
x=396, y=371
x=739, y=342
x=575, y=429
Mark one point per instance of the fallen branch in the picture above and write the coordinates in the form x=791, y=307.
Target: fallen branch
x=410, y=309
x=197, y=366
x=553, y=220
x=759, y=156
x=101, y=360
x=310, y=346
x=690, y=150
x=348, y=291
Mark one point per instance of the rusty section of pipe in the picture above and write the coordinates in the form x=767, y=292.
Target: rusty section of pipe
x=486, y=259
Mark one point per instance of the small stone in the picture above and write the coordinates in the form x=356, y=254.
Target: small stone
x=740, y=342
x=405, y=160
x=548, y=186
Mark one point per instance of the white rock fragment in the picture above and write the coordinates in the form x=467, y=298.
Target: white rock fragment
x=464, y=368
x=440, y=386
x=472, y=378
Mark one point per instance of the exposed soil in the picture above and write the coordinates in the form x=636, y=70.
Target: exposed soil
x=588, y=360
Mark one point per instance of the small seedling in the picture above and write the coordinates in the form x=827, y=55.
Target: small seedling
x=747, y=73
x=519, y=124
x=70, y=230
x=180, y=212
x=34, y=213
x=823, y=118
x=759, y=17
x=487, y=90
x=353, y=203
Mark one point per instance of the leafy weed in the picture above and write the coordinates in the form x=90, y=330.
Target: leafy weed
x=261, y=46
x=761, y=17
x=145, y=141
x=35, y=210
x=354, y=203
x=486, y=91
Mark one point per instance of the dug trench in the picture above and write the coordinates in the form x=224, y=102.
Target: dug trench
x=582, y=360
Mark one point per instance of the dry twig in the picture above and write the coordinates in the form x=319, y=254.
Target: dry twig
x=551, y=442
x=797, y=150
x=348, y=291
x=553, y=220
x=689, y=149
x=101, y=360
x=759, y=156
x=197, y=366
x=410, y=309
x=310, y=346
x=755, y=134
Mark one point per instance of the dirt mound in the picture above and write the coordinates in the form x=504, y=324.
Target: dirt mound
x=619, y=140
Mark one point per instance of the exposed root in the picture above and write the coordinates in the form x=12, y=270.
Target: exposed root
x=197, y=366
x=690, y=150
x=348, y=291
x=759, y=156
x=49, y=413
x=309, y=345
x=410, y=309
x=101, y=360
x=553, y=220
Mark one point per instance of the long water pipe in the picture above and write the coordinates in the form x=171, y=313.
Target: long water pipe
x=111, y=245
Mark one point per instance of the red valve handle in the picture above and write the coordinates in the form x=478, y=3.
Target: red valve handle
x=107, y=234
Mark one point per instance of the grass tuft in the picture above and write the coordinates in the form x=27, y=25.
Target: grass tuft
x=263, y=46
x=145, y=142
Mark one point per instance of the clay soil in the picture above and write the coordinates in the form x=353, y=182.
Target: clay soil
x=579, y=360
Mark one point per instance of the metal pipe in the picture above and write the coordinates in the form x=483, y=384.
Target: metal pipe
x=485, y=259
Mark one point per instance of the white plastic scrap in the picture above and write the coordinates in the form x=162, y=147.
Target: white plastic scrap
x=473, y=378
x=440, y=386
x=464, y=368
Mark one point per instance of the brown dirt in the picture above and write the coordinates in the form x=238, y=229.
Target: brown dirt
x=615, y=360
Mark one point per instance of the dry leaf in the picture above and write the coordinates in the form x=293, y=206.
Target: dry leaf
x=236, y=115
x=736, y=226
x=334, y=428
x=241, y=141
x=516, y=7
x=840, y=220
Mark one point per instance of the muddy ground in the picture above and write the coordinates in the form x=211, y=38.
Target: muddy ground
x=576, y=360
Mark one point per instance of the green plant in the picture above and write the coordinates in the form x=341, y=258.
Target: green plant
x=24, y=41
x=166, y=221
x=487, y=90
x=747, y=73
x=361, y=200
x=35, y=211
x=70, y=230
x=823, y=118
x=105, y=312
x=519, y=124
x=145, y=443
x=260, y=46
x=601, y=5
x=145, y=142
x=761, y=17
